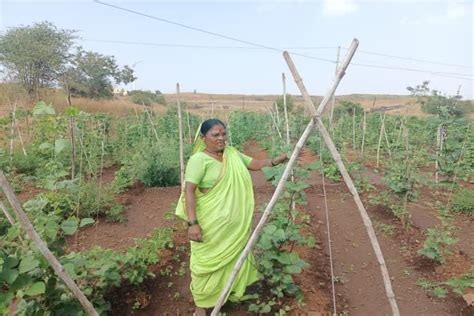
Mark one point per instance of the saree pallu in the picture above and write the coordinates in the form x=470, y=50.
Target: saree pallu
x=225, y=215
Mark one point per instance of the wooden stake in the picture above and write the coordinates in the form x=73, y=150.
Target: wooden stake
x=287, y=127
x=386, y=140
x=43, y=248
x=380, y=139
x=180, y=131
x=438, y=149
x=72, y=136
x=7, y=214
x=364, y=126
x=275, y=125
x=277, y=113
x=353, y=129
x=281, y=184
x=285, y=109
x=228, y=129
x=333, y=96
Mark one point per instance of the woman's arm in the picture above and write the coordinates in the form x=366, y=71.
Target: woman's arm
x=258, y=164
x=194, y=231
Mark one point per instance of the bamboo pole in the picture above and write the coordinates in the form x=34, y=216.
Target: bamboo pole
x=364, y=127
x=386, y=140
x=334, y=97
x=438, y=145
x=7, y=215
x=350, y=185
x=151, y=123
x=180, y=131
x=277, y=113
x=72, y=135
x=43, y=248
x=285, y=109
x=287, y=127
x=12, y=133
x=228, y=129
x=380, y=139
x=353, y=129
x=275, y=124
x=286, y=173
x=189, y=125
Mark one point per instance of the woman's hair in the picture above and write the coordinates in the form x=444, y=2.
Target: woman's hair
x=210, y=123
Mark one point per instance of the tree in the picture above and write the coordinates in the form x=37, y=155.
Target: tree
x=91, y=74
x=433, y=102
x=35, y=56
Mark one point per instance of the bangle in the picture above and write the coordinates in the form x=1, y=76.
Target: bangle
x=193, y=222
x=271, y=161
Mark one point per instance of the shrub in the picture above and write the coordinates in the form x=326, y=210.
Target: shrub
x=463, y=201
x=158, y=165
x=147, y=97
x=347, y=108
x=94, y=202
x=26, y=164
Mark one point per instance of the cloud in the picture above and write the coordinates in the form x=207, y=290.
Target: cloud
x=339, y=7
x=451, y=13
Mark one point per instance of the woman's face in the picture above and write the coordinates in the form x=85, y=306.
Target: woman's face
x=215, y=138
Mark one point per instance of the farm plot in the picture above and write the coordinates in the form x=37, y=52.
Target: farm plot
x=92, y=183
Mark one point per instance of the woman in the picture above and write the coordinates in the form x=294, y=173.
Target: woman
x=218, y=205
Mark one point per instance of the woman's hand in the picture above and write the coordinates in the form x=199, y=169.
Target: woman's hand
x=280, y=159
x=195, y=233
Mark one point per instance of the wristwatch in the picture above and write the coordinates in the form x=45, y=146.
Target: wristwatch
x=193, y=222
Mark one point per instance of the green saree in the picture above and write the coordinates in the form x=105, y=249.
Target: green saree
x=225, y=215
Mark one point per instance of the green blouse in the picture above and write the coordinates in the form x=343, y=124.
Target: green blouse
x=204, y=170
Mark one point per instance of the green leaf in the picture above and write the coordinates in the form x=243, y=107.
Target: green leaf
x=440, y=292
x=311, y=242
x=86, y=221
x=9, y=275
x=43, y=108
x=6, y=298
x=36, y=289
x=70, y=269
x=46, y=146
x=28, y=263
x=69, y=226
x=270, y=229
x=60, y=145
x=22, y=281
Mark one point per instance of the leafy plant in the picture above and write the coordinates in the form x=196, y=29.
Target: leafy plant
x=436, y=244
x=463, y=201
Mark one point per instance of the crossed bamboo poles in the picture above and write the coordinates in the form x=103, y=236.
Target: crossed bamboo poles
x=315, y=121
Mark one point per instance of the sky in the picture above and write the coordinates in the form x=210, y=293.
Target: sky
x=439, y=33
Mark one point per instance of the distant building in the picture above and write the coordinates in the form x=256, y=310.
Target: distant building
x=120, y=91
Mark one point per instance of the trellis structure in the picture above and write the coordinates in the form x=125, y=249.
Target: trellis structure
x=315, y=121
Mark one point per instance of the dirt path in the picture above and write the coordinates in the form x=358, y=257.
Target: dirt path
x=356, y=268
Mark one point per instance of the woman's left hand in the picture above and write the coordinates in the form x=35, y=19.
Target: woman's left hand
x=281, y=159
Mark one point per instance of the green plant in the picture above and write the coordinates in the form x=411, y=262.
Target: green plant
x=347, y=108
x=160, y=166
x=436, y=245
x=463, y=201
x=147, y=97
x=386, y=229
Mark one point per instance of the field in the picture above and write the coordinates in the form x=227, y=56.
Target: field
x=100, y=180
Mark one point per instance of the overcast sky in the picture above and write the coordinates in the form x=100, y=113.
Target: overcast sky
x=437, y=32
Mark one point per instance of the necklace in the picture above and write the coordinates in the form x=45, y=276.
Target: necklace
x=214, y=153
